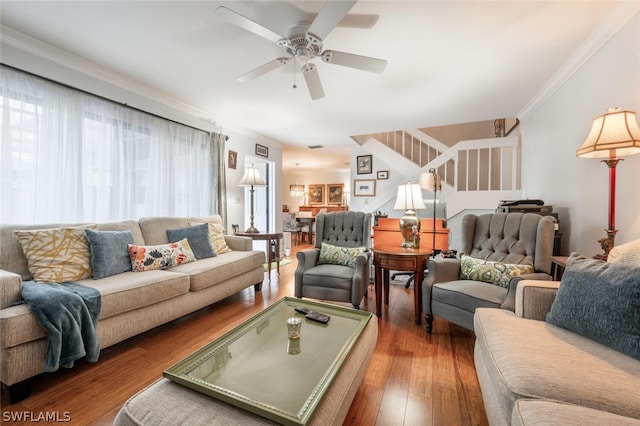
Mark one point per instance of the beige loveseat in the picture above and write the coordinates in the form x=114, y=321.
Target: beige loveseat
x=132, y=302
x=532, y=372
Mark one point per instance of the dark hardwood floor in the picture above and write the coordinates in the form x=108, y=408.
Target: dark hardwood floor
x=413, y=379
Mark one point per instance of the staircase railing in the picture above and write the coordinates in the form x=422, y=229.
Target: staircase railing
x=475, y=173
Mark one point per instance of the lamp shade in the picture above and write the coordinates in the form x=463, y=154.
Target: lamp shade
x=614, y=134
x=430, y=181
x=252, y=177
x=409, y=197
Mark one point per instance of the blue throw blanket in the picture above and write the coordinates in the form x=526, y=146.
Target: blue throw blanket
x=69, y=313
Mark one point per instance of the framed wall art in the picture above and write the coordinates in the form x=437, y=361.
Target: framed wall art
x=335, y=193
x=316, y=194
x=364, y=188
x=383, y=174
x=364, y=166
x=262, y=151
x=232, y=160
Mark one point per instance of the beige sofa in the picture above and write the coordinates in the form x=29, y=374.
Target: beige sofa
x=532, y=372
x=132, y=302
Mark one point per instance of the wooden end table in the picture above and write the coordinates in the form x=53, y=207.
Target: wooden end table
x=269, y=237
x=558, y=265
x=393, y=257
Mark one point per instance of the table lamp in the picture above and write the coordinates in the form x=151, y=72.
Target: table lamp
x=614, y=134
x=409, y=199
x=251, y=179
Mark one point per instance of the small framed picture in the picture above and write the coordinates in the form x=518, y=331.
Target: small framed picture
x=335, y=192
x=232, y=160
x=364, y=188
x=383, y=174
x=316, y=194
x=364, y=164
x=262, y=151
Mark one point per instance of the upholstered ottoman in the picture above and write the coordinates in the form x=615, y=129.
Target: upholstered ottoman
x=168, y=403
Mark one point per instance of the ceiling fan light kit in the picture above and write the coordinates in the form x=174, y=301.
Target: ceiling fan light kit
x=306, y=46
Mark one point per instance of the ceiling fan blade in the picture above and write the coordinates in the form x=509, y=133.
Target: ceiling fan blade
x=365, y=63
x=263, y=69
x=310, y=73
x=248, y=24
x=330, y=15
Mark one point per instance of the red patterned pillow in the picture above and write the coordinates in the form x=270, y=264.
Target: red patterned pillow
x=147, y=258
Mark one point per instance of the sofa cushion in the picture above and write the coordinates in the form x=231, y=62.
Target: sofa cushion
x=601, y=301
x=130, y=290
x=154, y=229
x=57, y=254
x=109, y=252
x=198, y=237
x=468, y=295
x=521, y=358
x=627, y=254
x=148, y=258
x=214, y=270
x=490, y=271
x=534, y=412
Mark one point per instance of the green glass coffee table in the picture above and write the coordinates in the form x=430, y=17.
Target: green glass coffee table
x=256, y=367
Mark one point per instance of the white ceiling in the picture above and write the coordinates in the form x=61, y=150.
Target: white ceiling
x=448, y=61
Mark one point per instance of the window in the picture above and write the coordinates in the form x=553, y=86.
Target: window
x=67, y=156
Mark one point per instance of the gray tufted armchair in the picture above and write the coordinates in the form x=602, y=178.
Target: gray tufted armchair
x=513, y=238
x=330, y=281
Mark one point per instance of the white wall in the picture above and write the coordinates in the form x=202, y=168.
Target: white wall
x=578, y=187
x=304, y=177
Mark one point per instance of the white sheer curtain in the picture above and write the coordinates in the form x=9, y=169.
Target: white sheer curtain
x=67, y=156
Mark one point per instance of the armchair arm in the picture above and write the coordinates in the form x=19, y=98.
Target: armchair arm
x=441, y=270
x=438, y=270
x=534, y=298
x=306, y=259
x=10, y=288
x=360, y=278
x=238, y=243
x=509, y=302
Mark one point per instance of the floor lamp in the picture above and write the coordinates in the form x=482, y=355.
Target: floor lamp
x=252, y=179
x=613, y=135
x=431, y=181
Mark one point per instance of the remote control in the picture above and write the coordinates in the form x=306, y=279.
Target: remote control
x=317, y=316
x=302, y=310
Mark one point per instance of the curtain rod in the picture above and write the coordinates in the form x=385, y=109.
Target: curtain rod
x=104, y=98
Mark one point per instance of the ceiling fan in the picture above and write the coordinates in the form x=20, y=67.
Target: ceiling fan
x=304, y=45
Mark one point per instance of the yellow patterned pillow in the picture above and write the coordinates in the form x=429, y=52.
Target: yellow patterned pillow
x=216, y=235
x=57, y=254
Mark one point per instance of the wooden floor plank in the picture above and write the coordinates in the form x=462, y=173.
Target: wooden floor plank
x=413, y=379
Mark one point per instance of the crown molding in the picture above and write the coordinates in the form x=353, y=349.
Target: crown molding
x=619, y=16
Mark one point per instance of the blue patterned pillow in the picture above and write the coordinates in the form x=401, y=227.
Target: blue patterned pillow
x=198, y=237
x=336, y=255
x=601, y=301
x=490, y=271
x=109, y=252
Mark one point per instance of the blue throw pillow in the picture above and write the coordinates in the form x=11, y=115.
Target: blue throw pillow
x=198, y=237
x=601, y=301
x=109, y=252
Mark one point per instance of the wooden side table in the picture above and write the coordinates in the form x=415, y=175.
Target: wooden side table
x=269, y=237
x=393, y=257
x=558, y=264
